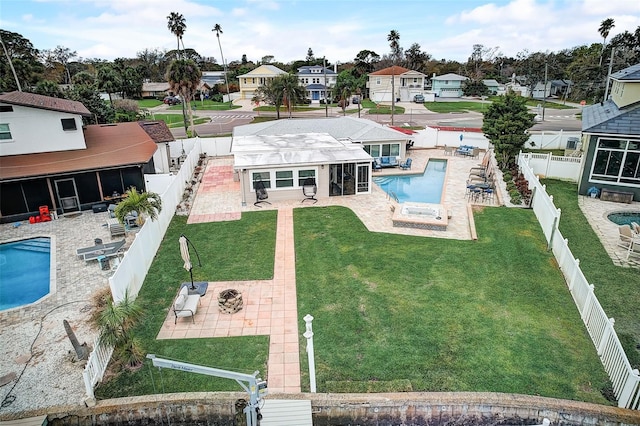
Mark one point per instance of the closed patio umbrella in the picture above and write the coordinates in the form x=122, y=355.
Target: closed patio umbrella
x=184, y=251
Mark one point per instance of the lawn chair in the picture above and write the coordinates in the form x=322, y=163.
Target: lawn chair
x=261, y=193
x=309, y=190
x=626, y=236
x=406, y=165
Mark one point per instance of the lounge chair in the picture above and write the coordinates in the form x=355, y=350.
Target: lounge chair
x=94, y=252
x=186, y=305
x=448, y=150
x=406, y=165
x=626, y=236
x=309, y=190
x=376, y=165
x=261, y=193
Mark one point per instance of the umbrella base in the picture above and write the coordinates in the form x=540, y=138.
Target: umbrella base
x=200, y=287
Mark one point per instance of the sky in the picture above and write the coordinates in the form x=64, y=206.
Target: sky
x=335, y=29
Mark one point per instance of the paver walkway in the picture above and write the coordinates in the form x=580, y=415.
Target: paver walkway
x=269, y=308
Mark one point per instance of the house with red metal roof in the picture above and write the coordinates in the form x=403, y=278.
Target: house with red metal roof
x=403, y=83
x=48, y=158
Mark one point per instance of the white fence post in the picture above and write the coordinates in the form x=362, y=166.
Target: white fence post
x=588, y=303
x=310, y=355
x=605, y=336
x=574, y=275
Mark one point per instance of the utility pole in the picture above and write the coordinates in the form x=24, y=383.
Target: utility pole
x=544, y=94
x=324, y=73
x=13, y=70
x=606, y=90
x=393, y=91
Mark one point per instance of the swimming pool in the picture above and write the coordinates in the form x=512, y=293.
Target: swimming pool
x=624, y=217
x=425, y=188
x=25, y=271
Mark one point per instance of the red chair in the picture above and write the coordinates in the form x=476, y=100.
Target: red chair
x=45, y=216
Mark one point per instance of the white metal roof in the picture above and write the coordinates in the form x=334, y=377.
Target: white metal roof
x=294, y=150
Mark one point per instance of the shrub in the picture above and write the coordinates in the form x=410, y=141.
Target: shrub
x=507, y=176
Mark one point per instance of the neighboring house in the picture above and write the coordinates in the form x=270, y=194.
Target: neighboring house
x=155, y=89
x=213, y=77
x=493, y=86
x=48, y=158
x=515, y=88
x=611, y=138
x=251, y=81
x=337, y=152
x=318, y=81
x=448, y=85
x=406, y=84
x=560, y=88
x=541, y=90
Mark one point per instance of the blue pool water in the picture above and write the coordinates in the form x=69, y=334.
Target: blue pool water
x=425, y=188
x=624, y=218
x=24, y=271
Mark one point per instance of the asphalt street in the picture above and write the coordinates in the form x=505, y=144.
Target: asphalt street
x=223, y=122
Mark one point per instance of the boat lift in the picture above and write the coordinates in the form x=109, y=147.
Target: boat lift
x=254, y=386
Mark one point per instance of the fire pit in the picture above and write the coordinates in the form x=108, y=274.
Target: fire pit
x=229, y=301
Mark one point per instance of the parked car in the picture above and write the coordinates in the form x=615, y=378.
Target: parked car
x=419, y=99
x=171, y=100
x=355, y=100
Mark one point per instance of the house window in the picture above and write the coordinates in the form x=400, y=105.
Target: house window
x=265, y=177
x=383, y=150
x=68, y=124
x=5, y=132
x=284, y=179
x=378, y=81
x=304, y=174
x=6, y=108
x=616, y=160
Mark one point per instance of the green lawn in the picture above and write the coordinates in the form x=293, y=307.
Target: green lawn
x=148, y=103
x=392, y=312
x=617, y=288
x=462, y=106
x=384, y=109
x=176, y=120
x=236, y=250
x=442, y=315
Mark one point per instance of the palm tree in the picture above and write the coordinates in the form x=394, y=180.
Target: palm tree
x=345, y=94
x=393, y=38
x=605, y=28
x=108, y=80
x=145, y=204
x=177, y=26
x=184, y=76
x=292, y=91
x=218, y=29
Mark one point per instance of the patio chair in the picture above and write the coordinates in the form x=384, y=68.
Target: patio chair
x=626, y=236
x=261, y=193
x=448, y=150
x=107, y=250
x=406, y=165
x=376, y=165
x=309, y=190
x=635, y=228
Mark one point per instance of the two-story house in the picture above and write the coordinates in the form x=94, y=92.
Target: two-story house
x=318, y=81
x=48, y=158
x=611, y=137
x=448, y=85
x=395, y=82
x=251, y=81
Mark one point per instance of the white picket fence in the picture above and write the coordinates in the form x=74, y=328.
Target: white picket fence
x=554, y=166
x=625, y=380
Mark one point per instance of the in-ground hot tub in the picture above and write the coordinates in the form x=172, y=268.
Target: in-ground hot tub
x=421, y=216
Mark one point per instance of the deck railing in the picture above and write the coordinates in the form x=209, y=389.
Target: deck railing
x=625, y=380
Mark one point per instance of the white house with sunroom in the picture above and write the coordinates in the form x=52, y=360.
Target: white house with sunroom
x=282, y=164
x=337, y=152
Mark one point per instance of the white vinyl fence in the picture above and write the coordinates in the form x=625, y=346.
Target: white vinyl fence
x=135, y=264
x=625, y=380
x=554, y=166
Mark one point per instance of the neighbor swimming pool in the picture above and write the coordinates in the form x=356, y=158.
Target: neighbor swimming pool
x=425, y=188
x=624, y=217
x=25, y=271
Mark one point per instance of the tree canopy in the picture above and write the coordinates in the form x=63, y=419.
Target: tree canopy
x=505, y=124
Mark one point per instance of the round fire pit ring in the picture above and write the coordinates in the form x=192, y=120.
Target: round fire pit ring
x=230, y=301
